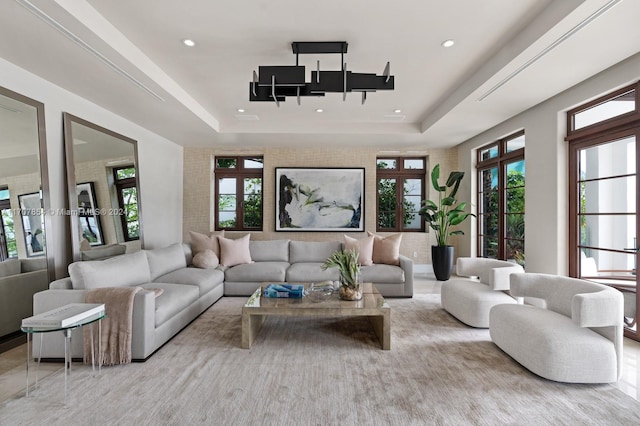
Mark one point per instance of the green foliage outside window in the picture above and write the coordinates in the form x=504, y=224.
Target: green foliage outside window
x=252, y=205
x=514, y=219
x=126, y=173
x=130, y=197
x=9, y=233
x=387, y=202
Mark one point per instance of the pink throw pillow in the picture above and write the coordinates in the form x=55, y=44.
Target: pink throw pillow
x=363, y=246
x=386, y=249
x=234, y=252
x=201, y=242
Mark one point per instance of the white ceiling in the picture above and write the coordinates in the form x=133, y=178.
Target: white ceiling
x=437, y=89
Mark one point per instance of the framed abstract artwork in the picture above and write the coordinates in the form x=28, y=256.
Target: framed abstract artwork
x=89, y=214
x=319, y=199
x=32, y=223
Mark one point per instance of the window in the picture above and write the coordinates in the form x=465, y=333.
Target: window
x=400, y=182
x=238, y=193
x=501, y=186
x=603, y=195
x=8, y=247
x=127, y=193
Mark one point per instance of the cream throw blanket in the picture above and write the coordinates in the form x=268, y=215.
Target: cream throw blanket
x=116, y=326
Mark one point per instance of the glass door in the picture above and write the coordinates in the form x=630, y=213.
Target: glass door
x=605, y=216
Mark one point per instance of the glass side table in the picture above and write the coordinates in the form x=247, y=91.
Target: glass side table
x=66, y=330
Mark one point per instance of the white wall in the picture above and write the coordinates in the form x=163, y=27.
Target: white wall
x=546, y=199
x=160, y=168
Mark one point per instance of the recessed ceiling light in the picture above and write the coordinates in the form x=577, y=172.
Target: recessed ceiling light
x=397, y=111
x=240, y=110
x=319, y=110
x=188, y=42
x=448, y=43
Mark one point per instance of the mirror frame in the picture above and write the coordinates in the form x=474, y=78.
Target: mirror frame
x=68, y=120
x=44, y=175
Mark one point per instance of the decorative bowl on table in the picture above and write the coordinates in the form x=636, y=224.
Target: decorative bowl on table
x=318, y=292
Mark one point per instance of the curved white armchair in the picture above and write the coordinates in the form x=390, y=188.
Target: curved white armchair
x=576, y=339
x=470, y=299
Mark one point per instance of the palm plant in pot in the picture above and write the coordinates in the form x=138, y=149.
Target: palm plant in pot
x=443, y=217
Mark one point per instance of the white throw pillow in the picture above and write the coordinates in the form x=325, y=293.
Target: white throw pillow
x=206, y=260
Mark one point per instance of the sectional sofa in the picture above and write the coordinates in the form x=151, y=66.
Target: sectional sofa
x=187, y=291
x=19, y=280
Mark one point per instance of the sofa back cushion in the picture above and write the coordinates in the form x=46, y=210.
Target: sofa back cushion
x=31, y=265
x=165, y=260
x=269, y=251
x=105, y=252
x=9, y=267
x=312, y=251
x=119, y=271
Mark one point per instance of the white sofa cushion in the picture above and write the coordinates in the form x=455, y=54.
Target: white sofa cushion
x=166, y=259
x=257, y=272
x=124, y=270
x=381, y=273
x=174, y=299
x=205, y=279
x=306, y=272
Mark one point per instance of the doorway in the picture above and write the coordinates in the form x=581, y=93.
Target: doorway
x=603, y=164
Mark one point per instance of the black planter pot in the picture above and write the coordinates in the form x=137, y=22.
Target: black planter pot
x=442, y=259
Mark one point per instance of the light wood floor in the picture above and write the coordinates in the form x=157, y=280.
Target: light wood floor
x=13, y=361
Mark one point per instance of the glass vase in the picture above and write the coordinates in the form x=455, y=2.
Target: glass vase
x=350, y=287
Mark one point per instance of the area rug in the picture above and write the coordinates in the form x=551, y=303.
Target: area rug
x=313, y=371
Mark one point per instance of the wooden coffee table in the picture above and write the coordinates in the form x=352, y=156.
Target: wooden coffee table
x=372, y=305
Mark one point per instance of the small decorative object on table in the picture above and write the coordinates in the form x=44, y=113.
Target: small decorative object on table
x=319, y=292
x=350, y=279
x=291, y=291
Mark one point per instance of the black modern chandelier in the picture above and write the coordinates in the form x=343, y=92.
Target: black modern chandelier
x=275, y=83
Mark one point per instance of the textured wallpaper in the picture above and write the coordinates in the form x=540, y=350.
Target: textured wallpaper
x=198, y=189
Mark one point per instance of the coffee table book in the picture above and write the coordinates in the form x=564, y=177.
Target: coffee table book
x=289, y=291
x=64, y=316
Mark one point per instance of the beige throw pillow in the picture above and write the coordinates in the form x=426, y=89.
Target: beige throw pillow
x=386, y=249
x=363, y=246
x=234, y=252
x=206, y=260
x=201, y=242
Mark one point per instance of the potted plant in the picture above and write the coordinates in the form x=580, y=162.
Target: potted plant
x=442, y=217
x=347, y=263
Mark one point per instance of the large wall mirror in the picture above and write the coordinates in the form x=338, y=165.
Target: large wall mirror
x=26, y=265
x=104, y=196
